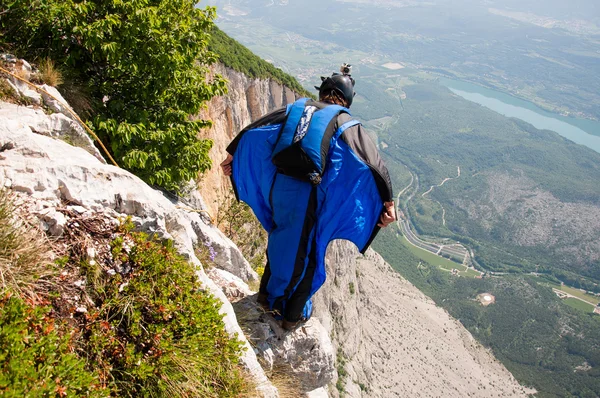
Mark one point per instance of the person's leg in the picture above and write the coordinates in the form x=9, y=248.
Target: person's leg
x=295, y=304
x=263, y=295
x=294, y=214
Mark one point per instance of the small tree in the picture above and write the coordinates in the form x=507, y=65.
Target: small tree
x=145, y=62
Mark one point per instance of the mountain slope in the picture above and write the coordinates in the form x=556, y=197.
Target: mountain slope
x=393, y=341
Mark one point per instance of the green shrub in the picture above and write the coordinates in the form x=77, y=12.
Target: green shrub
x=35, y=360
x=154, y=332
x=143, y=325
x=145, y=63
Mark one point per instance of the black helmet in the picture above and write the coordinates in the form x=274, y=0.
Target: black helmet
x=343, y=84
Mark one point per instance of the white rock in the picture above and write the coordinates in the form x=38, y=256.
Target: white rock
x=56, y=125
x=233, y=287
x=54, y=221
x=318, y=393
x=26, y=65
x=91, y=253
x=25, y=90
x=57, y=105
x=307, y=352
x=78, y=209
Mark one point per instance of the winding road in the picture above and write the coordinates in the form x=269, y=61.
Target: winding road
x=455, y=250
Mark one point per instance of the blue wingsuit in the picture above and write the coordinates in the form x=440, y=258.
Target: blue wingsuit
x=301, y=217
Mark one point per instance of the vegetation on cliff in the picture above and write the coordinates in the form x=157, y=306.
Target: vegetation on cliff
x=121, y=314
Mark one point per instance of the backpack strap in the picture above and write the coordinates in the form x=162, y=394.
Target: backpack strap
x=318, y=123
x=343, y=128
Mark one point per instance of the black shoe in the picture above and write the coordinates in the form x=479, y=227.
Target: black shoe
x=262, y=299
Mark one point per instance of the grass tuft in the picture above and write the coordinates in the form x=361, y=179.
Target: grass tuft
x=285, y=382
x=49, y=74
x=24, y=257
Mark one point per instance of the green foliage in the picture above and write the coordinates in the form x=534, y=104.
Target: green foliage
x=145, y=62
x=154, y=332
x=35, y=359
x=236, y=56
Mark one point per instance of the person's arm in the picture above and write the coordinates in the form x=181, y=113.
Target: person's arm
x=362, y=145
x=277, y=116
x=226, y=164
x=388, y=215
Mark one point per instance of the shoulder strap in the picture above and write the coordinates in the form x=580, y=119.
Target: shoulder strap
x=298, y=104
x=343, y=128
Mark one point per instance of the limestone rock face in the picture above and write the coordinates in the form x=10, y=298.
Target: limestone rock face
x=57, y=125
x=393, y=341
x=52, y=172
x=247, y=100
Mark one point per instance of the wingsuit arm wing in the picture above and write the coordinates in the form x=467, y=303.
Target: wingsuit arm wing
x=275, y=117
x=362, y=145
x=253, y=146
x=353, y=191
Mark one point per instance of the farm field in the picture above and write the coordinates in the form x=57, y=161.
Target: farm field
x=443, y=263
x=578, y=304
x=592, y=300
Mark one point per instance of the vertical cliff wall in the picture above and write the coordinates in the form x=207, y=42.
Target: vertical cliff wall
x=247, y=100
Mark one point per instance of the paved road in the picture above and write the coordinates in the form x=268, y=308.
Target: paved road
x=454, y=249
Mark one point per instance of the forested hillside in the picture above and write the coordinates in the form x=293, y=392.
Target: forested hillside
x=234, y=55
x=526, y=199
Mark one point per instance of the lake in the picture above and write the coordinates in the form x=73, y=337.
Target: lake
x=581, y=131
